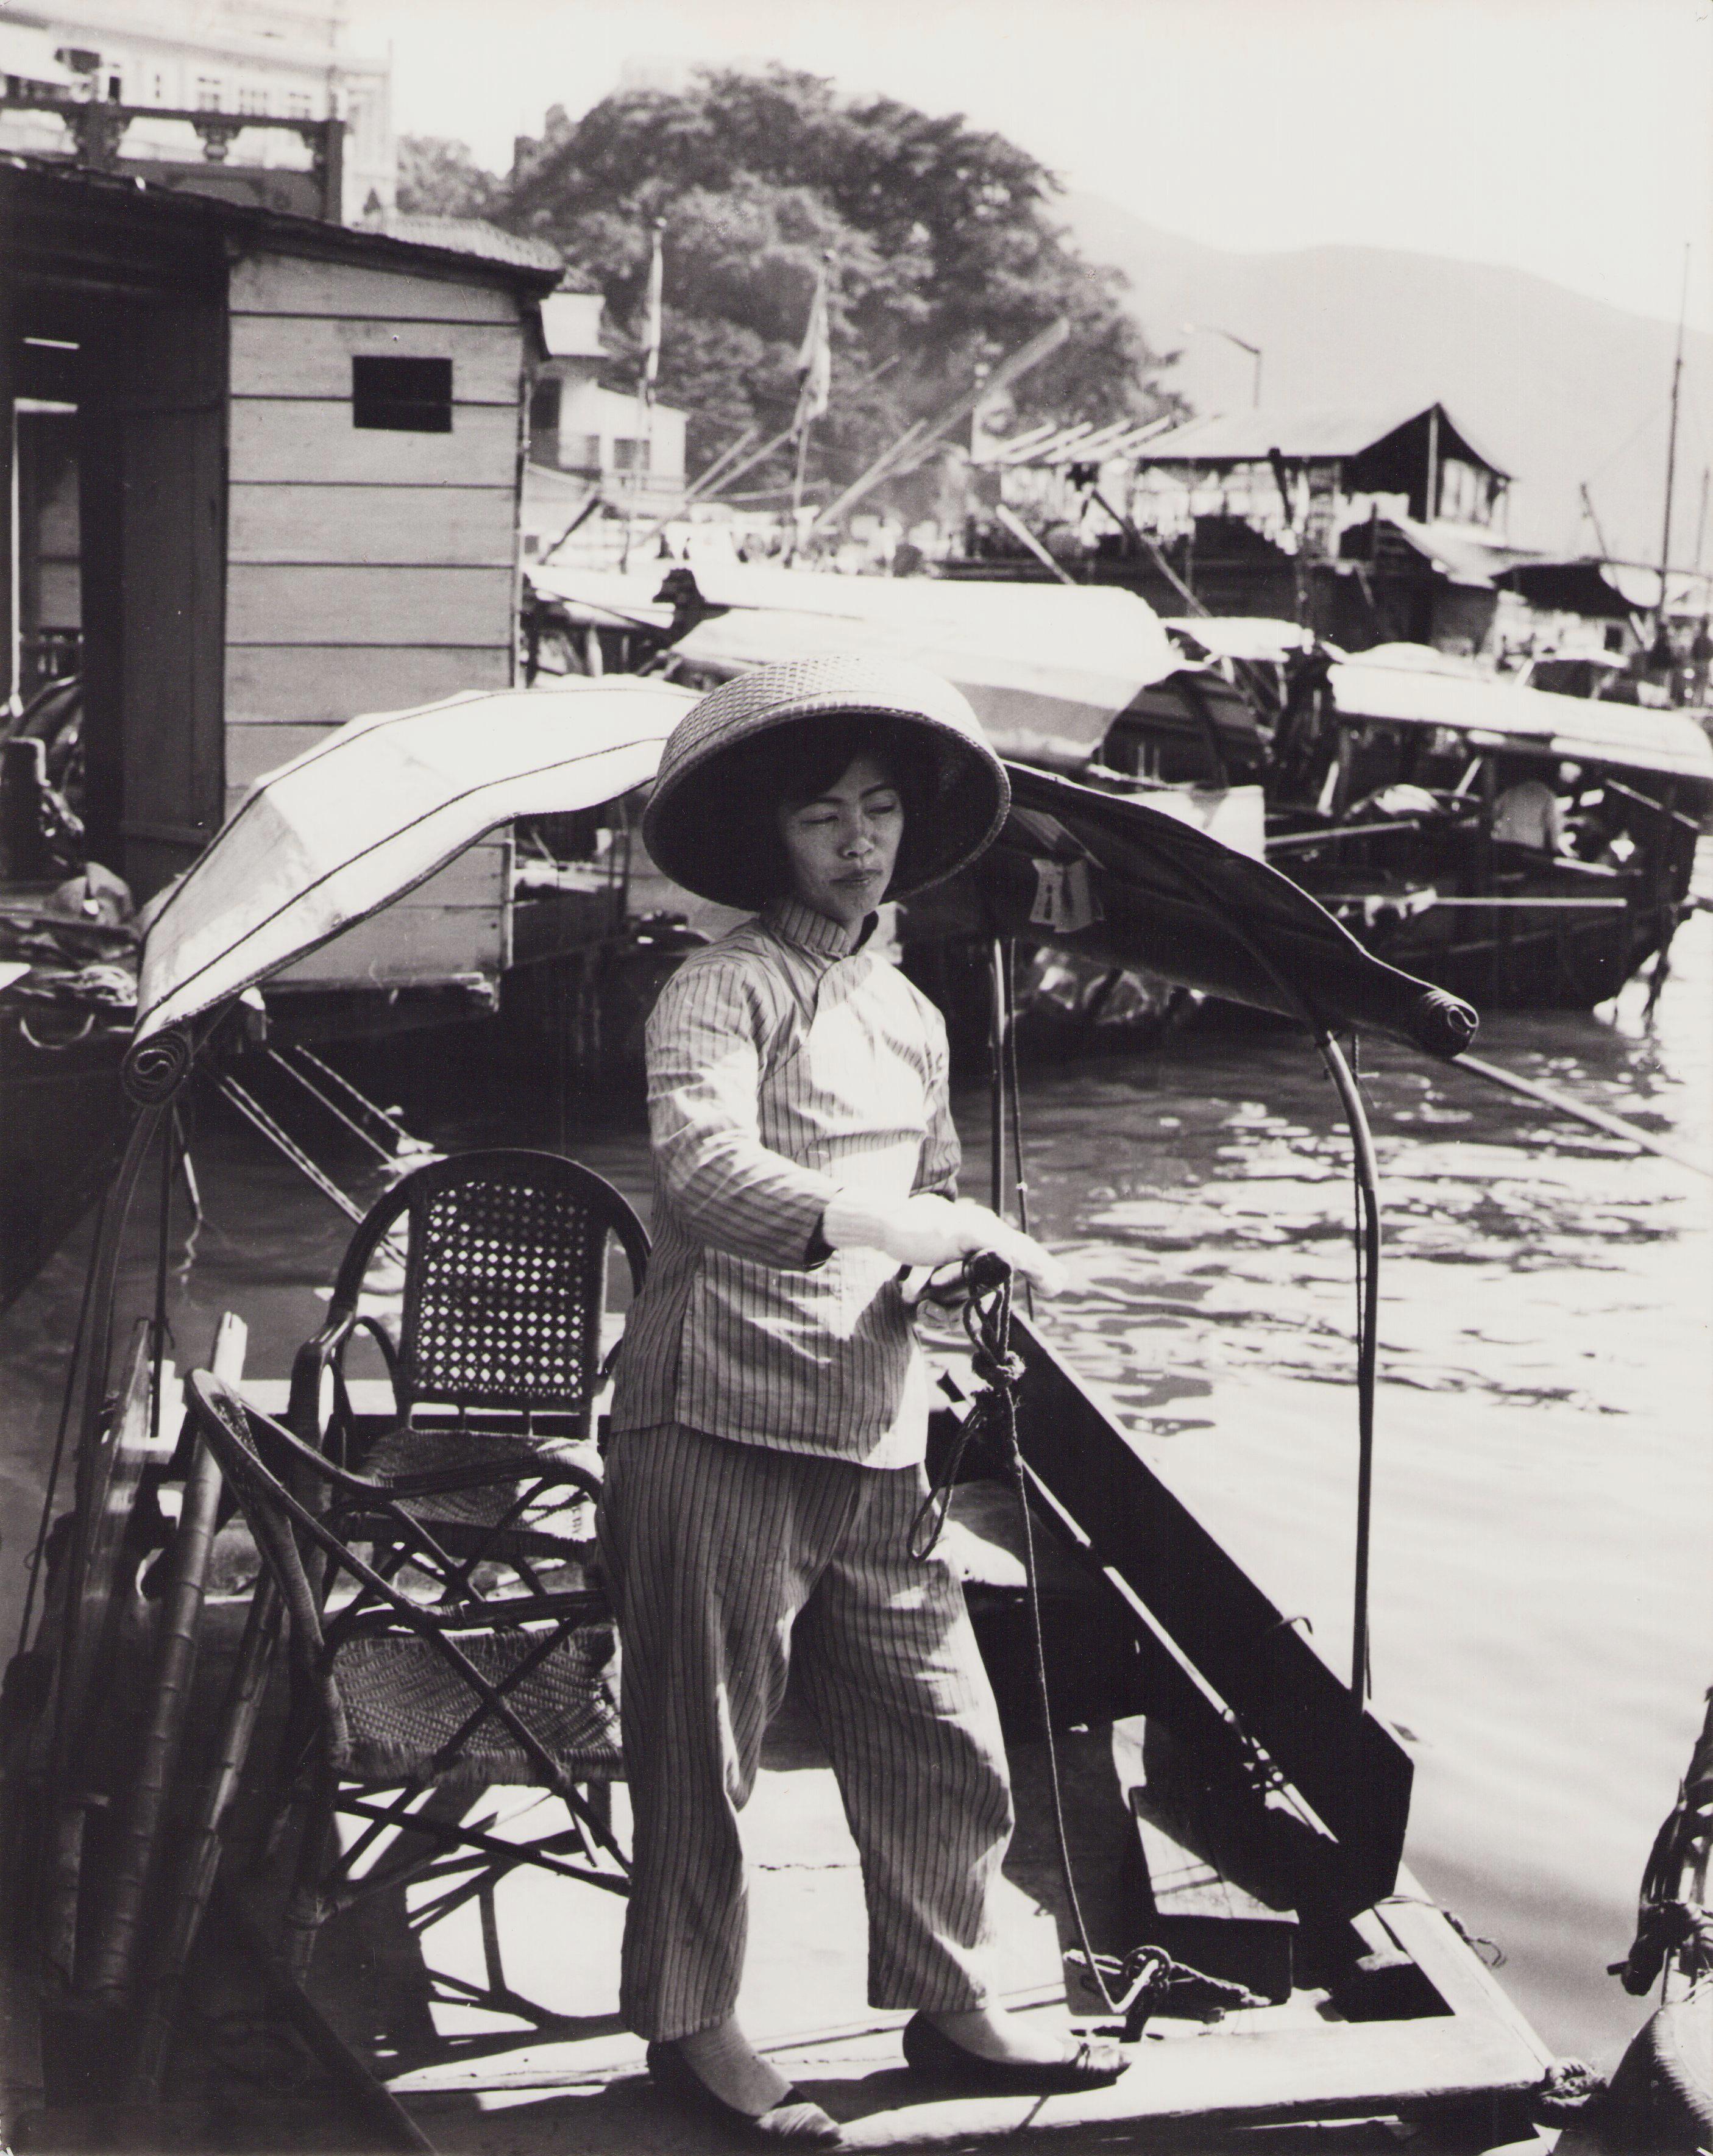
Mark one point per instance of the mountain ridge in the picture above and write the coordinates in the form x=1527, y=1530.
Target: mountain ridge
x=1559, y=389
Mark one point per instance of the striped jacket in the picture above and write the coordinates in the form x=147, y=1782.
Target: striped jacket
x=784, y=1067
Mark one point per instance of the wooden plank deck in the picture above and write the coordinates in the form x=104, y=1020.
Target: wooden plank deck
x=544, y=2064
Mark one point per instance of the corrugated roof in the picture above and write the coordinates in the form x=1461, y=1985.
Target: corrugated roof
x=1302, y=433
x=471, y=235
x=30, y=188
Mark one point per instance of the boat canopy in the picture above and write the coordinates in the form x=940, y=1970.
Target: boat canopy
x=333, y=836
x=374, y=809
x=1126, y=884
x=1046, y=667
x=1498, y=715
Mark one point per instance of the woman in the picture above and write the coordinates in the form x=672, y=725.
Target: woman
x=770, y=1411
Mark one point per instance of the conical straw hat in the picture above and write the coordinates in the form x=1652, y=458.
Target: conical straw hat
x=700, y=824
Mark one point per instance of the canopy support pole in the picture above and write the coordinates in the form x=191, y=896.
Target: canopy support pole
x=1368, y=1342
x=1368, y=1259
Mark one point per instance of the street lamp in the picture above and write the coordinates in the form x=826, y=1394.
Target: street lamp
x=1243, y=344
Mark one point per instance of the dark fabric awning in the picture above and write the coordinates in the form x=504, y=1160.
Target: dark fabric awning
x=1127, y=885
x=1604, y=591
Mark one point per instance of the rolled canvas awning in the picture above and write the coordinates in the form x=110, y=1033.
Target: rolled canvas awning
x=374, y=809
x=1581, y=729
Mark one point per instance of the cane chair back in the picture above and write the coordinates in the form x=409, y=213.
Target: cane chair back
x=393, y=1691
x=504, y=1282
x=498, y=1353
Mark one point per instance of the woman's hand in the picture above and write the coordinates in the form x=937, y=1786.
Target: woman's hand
x=935, y=1231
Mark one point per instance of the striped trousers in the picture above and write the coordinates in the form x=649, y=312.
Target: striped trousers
x=725, y=1562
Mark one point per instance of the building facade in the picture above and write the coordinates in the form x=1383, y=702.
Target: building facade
x=276, y=59
x=588, y=445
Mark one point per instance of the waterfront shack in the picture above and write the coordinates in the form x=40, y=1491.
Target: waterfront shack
x=262, y=475
x=1372, y=524
x=285, y=463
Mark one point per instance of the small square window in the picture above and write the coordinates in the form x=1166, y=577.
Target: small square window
x=410, y=396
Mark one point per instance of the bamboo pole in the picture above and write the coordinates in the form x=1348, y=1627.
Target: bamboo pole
x=1019, y=530
x=175, y=1667
x=200, y=1850
x=1601, y=1119
x=926, y=433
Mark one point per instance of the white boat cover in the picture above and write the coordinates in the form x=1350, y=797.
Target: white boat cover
x=1044, y=665
x=1497, y=713
x=1259, y=638
x=376, y=809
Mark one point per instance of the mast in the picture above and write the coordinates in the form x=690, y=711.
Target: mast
x=1671, y=449
x=648, y=374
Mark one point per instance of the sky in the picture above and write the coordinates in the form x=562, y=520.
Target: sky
x=1571, y=138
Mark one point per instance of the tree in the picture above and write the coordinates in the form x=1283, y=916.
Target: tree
x=440, y=178
x=944, y=255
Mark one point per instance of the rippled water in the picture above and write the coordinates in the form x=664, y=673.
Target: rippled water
x=1543, y=1528
x=1543, y=1593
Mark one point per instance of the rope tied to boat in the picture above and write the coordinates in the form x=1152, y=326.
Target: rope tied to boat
x=1142, y=1982
x=1566, y=2092
x=1666, y=1929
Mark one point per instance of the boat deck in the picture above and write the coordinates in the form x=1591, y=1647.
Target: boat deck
x=497, y=2029
x=485, y=2022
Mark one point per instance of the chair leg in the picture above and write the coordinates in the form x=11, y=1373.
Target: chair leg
x=305, y=1907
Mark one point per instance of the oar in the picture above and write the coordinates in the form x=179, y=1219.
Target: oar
x=1550, y=1097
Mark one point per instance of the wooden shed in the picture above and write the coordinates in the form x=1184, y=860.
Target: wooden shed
x=297, y=455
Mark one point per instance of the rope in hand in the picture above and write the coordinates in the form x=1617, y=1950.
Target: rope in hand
x=987, y=1319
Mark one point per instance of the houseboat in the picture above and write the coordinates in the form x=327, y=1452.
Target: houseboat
x=1516, y=845
x=1519, y=846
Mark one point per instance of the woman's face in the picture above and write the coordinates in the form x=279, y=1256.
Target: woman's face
x=843, y=844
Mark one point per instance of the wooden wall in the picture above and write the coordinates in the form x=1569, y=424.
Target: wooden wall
x=367, y=569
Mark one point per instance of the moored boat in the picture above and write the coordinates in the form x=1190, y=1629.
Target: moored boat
x=1516, y=844
x=1513, y=844
x=1235, y=1805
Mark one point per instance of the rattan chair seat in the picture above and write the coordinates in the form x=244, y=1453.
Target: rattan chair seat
x=558, y=1522
x=404, y=1702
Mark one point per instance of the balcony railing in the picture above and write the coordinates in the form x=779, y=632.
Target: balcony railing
x=97, y=127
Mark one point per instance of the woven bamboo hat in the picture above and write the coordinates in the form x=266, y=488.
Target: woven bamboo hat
x=709, y=823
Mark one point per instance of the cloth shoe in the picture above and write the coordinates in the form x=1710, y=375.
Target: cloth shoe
x=794, y=2122
x=1089, y=2062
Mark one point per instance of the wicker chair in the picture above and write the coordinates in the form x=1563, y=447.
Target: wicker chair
x=393, y=1693
x=498, y=1355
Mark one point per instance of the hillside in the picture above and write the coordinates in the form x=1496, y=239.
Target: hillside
x=1556, y=388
